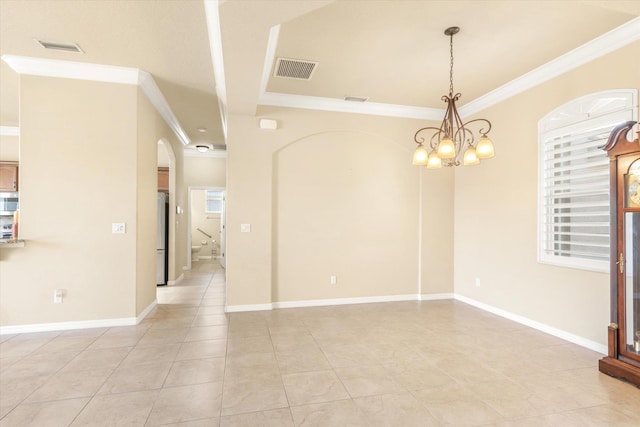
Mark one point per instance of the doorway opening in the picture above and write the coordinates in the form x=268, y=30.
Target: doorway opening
x=206, y=225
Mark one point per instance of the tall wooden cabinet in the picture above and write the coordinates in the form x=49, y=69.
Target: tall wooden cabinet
x=623, y=360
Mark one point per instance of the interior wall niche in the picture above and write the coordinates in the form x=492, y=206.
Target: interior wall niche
x=345, y=204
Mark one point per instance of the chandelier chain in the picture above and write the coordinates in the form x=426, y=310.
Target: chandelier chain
x=451, y=65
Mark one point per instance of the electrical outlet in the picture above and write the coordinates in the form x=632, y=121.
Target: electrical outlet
x=245, y=228
x=118, y=228
x=57, y=296
x=477, y=282
x=334, y=280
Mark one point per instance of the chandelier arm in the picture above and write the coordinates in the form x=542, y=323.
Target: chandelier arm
x=481, y=130
x=421, y=139
x=460, y=135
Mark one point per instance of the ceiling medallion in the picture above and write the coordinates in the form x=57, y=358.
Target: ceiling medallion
x=453, y=136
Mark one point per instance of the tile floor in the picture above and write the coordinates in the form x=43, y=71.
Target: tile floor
x=439, y=363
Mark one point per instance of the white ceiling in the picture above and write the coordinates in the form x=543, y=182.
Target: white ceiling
x=393, y=52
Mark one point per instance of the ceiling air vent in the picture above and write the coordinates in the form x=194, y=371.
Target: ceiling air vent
x=356, y=98
x=68, y=47
x=294, y=68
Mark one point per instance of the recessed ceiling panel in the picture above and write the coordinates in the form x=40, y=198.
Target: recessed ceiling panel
x=396, y=52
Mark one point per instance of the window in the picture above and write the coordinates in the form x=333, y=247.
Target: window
x=573, y=178
x=213, y=203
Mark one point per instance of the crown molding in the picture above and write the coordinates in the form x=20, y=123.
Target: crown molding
x=342, y=106
x=212, y=16
x=100, y=73
x=150, y=88
x=600, y=46
x=9, y=131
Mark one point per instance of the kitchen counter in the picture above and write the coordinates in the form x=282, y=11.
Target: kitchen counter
x=12, y=243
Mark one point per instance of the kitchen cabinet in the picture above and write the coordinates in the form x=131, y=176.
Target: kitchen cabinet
x=163, y=179
x=8, y=176
x=623, y=360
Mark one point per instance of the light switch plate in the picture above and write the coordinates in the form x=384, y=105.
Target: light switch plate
x=118, y=228
x=245, y=228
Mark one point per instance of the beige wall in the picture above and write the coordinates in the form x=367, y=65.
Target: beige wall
x=9, y=148
x=205, y=172
x=87, y=160
x=330, y=194
x=496, y=205
x=69, y=196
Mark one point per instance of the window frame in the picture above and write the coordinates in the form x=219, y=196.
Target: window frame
x=576, y=118
x=207, y=198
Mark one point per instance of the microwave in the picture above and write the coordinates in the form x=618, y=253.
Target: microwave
x=9, y=202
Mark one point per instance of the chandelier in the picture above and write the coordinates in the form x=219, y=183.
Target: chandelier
x=453, y=137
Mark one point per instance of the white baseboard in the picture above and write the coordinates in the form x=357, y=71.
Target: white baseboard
x=320, y=302
x=207, y=257
x=175, y=282
x=343, y=301
x=435, y=297
x=146, y=311
x=247, y=307
x=581, y=341
x=79, y=324
x=64, y=326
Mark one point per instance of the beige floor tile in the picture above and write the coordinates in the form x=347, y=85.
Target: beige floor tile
x=157, y=353
x=4, y=410
x=293, y=342
x=463, y=413
x=444, y=393
x=313, y=387
x=252, y=360
x=188, y=372
x=208, y=422
x=139, y=377
x=401, y=410
x=115, y=340
x=259, y=394
x=308, y=359
x=67, y=343
x=435, y=363
x=201, y=333
x=368, y=380
x=202, y=349
x=417, y=375
x=273, y=418
x=15, y=390
x=69, y=385
x=47, y=414
x=243, y=345
x=126, y=409
x=40, y=364
x=187, y=403
x=348, y=355
x=17, y=347
x=108, y=358
x=163, y=336
x=339, y=413
x=248, y=329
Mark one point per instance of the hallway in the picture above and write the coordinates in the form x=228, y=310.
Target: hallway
x=436, y=363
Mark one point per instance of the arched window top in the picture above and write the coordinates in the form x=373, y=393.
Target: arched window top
x=573, y=178
x=589, y=107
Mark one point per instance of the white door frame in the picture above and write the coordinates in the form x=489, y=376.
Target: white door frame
x=189, y=240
